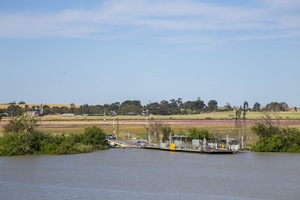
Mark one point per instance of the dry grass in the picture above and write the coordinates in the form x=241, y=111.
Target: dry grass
x=213, y=115
x=135, y=125
x=4, y=106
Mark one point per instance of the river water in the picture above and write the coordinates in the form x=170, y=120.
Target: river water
x=145, y=174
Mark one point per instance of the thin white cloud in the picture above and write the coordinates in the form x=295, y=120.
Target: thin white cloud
x=283, y=4
x=114, y=18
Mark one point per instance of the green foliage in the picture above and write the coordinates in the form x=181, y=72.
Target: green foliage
x=166, y=131
x=93, y=136
x=256, y=106
x=11, y=144
x=272, y=144
x=265, y=130
x=273, y=138
x=276, y=106
x=195, y=133
x=130, y=108
x=25, y=123
x=14, y=110
x=212, y=105
x=21, y=143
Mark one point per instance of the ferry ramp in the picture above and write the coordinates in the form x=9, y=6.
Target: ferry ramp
x=120, y=144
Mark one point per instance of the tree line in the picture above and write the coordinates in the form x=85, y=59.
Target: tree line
x=134, y=107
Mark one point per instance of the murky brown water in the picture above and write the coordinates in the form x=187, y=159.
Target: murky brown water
x=144, y=174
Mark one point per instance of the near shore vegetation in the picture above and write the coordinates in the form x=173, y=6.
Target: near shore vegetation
x=273, y=137
x=21, y=137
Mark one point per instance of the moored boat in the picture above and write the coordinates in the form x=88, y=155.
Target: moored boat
x=180, y=144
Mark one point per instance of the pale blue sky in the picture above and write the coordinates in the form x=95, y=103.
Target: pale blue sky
x=96, y=52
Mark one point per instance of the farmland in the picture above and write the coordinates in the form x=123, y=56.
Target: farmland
x=219, y=123
x=4, y=106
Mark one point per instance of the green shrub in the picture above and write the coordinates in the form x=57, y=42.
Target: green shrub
x=25, y=123
x=93, y=136
x=285, y=140
x=21, y=143
x=195, y=133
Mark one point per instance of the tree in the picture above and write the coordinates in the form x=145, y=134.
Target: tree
x=130, y=107
x=227, y=107
x=195, y=133
x=212, y=105
x=256, y=106
x=154, y=108
x=94, y=136
x=155, y=128
x=25, y=123
x=14, y=110
x=46, y=110
x=195, y=106
x=245, y=105
x=179, y=102
x=164, y=107
x=114, y=106
x=245, y=109
x=173, y=103
x=166, y=131
x=71, y=109
x=266, y=127
x=276, y=106
x=284, y=106
x=274, y=138
x=199, y=104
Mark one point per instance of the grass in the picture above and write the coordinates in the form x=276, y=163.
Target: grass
x=4, y=106
x=203, y=116
x=135, y=125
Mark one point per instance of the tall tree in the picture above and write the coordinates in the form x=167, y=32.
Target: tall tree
x=155, y=128
x=179, y=102
x=166, y=131
x=212, y=105
x=256, y=106
x=130, y=107
x=154, y=108
x=276, y=106
x=228, y=107
x=284, y=106
x=199, y=104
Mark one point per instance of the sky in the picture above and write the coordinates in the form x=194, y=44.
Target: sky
x=97, y=52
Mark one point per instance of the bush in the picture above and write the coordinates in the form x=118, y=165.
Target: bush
x=10, y=144
x=93, y=136
x=284, y=139
x=195, y=133
x=21, y=143
x=25, y=123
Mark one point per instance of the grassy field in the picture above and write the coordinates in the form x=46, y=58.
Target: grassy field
x=203, y=116
x=218, y=123
x=4, y=106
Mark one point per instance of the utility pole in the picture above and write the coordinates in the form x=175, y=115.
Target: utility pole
x=146, y=113
x=245, y=109
x=118, y=132
x=113, y=114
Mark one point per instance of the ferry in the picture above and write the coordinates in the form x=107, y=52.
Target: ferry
x=180, y=144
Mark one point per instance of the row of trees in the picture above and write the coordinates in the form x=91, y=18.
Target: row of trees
x=134, y=107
